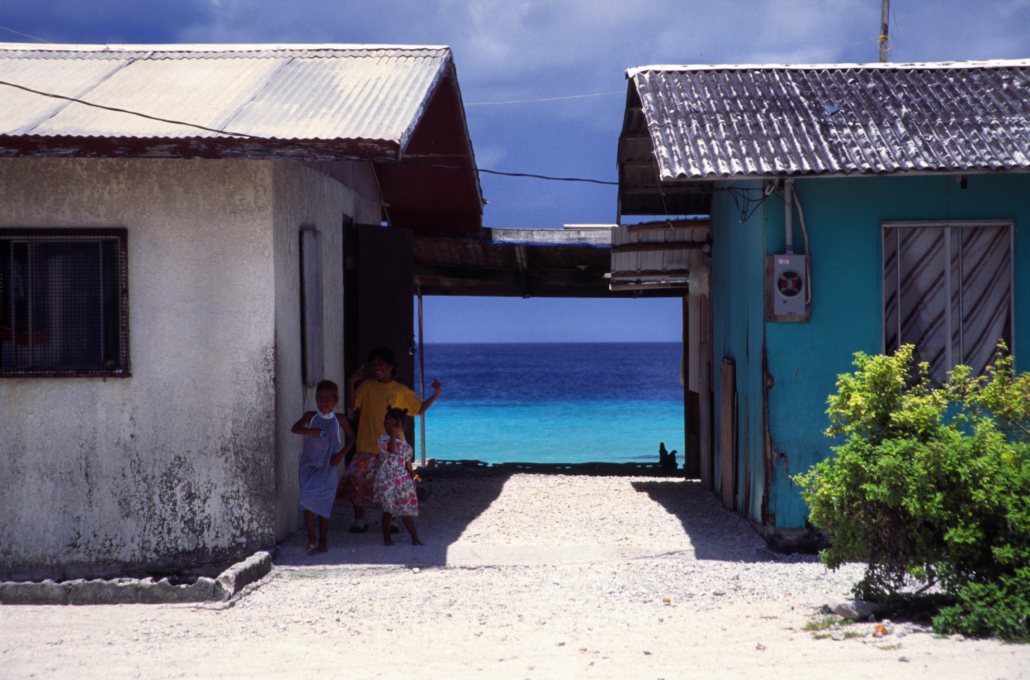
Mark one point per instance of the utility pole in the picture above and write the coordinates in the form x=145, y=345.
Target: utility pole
x=885, y=11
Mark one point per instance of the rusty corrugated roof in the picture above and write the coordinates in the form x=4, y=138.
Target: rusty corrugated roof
x=287, y=92
x=710, y=122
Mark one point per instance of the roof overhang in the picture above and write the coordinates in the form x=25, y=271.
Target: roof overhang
x=686, y=127
x=567, y=263
x=396, y=107
x=641, y=191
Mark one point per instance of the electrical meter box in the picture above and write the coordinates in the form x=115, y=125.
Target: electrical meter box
x=787, y=287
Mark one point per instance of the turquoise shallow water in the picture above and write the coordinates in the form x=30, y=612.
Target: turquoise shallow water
x=556, y=403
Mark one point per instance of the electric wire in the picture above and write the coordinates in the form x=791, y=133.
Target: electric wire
x=339, y=154
x=804, y=231
x=838, y=49
x=342, y=155
x=808, y=256
x=548, y=99
x=25, y=35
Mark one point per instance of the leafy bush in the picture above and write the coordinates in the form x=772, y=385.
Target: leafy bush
x=996, y=608
x=932, y=483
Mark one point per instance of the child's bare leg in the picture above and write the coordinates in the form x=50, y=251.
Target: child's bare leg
x=359, y=525
x=387, y=539
x=323, y=527
x=309, y=522
x=409, y=524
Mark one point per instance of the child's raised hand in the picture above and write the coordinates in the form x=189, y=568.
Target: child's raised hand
x=436, y=387
x=358, y=374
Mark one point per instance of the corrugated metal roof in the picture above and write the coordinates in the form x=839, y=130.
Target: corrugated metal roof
x=708, y=122
x=284, y=92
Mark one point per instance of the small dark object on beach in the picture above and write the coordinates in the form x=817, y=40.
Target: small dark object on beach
x=666, y=460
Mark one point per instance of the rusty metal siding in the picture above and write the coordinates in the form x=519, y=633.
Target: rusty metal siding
x=739, y=121
x=328, y=93
x=666, y=264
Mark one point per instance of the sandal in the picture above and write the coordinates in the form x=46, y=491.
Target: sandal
x=357, y=528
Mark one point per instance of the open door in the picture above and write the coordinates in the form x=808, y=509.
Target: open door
x=379, y=275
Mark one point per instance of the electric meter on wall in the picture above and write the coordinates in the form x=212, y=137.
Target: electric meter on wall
x=789, y=285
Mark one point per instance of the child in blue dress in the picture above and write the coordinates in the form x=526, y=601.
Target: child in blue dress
x=322, y=453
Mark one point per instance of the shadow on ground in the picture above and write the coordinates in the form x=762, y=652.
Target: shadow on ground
x=452, y=505
x=715, y=532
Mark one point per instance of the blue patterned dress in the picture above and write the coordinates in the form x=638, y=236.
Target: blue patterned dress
x=317, y=478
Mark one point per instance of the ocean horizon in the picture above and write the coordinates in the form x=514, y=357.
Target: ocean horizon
x=553, y=402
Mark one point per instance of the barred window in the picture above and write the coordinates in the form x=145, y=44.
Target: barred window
x=947, y=289
x=63, y=302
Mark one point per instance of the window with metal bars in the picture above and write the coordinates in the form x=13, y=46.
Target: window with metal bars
x=947, y=289
x=63, y=302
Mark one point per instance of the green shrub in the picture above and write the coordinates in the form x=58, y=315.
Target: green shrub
x=931, y=482
x=998, y=608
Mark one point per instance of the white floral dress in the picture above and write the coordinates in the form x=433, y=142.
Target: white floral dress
x=394, y=488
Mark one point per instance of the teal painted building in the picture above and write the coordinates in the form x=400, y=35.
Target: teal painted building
x=913, y=183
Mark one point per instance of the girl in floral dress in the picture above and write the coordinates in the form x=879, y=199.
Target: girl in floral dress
x=393, y=487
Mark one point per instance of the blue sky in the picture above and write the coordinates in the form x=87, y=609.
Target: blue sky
x=518, y=50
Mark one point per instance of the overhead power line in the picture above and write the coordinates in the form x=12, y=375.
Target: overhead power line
x=838, y=49
x=548, y=99
x=25, y=35
x=368, y=158
x=339, y=154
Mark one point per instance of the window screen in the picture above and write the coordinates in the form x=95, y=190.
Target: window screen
x=947, y=289
x=63, y=302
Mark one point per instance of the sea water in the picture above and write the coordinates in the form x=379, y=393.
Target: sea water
x=554, y=402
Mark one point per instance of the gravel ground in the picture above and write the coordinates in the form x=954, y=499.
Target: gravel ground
x=523, y=576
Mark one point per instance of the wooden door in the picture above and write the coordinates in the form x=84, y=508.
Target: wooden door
x=379, y=281
x=706, y=461
x=728, y=431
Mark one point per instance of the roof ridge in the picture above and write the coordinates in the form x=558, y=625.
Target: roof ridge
x=887, y=66
x=214, y=48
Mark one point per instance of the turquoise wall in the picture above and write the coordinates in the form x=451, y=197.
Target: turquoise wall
x=737, y=333
x=843, y=218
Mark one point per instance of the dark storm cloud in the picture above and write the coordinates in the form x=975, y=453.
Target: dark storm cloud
x=102, y=21
x=532, y=49
x=535, y=49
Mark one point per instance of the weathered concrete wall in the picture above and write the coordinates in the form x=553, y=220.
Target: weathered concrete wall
x=303, y=197
x=175, y=464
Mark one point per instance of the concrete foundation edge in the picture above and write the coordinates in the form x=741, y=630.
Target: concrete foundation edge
x=789, y=541
x=139, y=591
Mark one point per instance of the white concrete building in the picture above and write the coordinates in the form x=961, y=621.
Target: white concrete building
x=155, y=342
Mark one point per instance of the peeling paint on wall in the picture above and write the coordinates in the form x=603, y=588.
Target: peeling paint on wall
x=183, y=462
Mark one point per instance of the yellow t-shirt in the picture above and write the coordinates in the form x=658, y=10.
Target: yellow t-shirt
x=372, y=398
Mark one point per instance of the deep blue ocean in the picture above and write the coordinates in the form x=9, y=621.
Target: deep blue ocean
x=554, y=402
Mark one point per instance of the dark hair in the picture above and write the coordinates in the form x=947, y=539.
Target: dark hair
x=328, y=386
x=398, y=414
x=386, y=354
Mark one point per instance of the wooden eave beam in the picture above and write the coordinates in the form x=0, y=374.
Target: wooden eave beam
x=241, y=149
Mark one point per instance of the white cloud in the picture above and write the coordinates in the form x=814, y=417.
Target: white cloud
x=490, y=155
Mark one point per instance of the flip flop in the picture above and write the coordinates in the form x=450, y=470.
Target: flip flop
x=355, y=529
